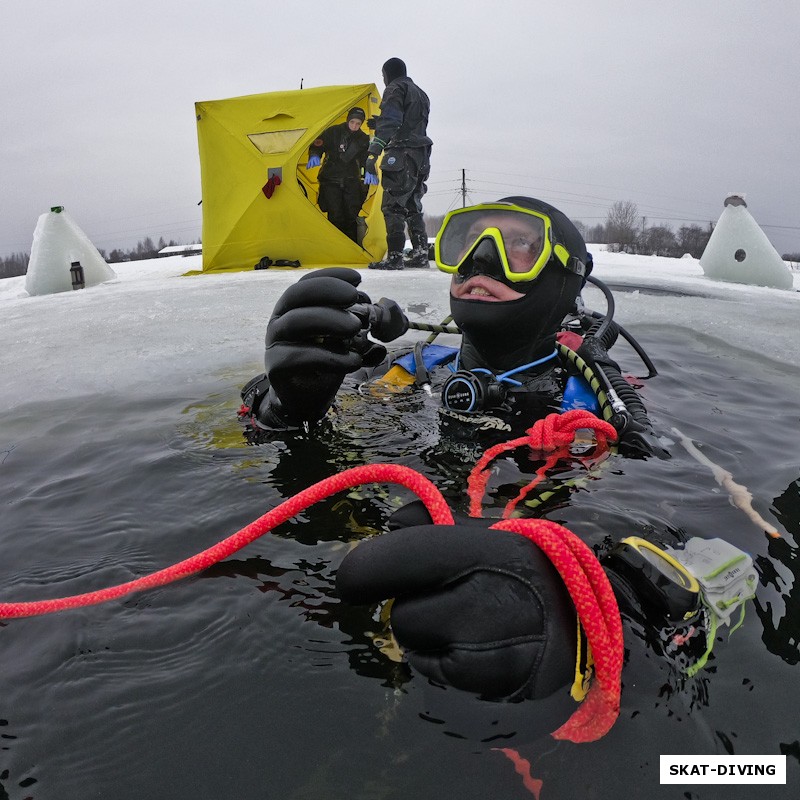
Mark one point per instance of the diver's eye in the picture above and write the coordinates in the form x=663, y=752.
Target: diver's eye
x=522, y=244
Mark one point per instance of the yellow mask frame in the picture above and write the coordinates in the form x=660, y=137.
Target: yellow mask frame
x=447, y=263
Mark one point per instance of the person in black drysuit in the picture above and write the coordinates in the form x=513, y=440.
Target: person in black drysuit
x=401, y=133
x=341, y=190
x=484, y=611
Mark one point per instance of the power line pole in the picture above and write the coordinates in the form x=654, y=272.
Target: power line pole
x=463, y=188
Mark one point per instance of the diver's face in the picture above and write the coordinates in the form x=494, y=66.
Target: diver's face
x=523, y=242
x=354, y=124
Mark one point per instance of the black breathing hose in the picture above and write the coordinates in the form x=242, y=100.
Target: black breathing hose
x=628, y=337
x=610, y=307
x=607, y=331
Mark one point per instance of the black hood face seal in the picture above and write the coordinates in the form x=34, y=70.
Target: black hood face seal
x=499, y=336
x=503, y=335
x=485, y=260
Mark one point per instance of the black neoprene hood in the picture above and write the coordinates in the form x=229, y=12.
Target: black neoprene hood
x=504, y=335
x=394, y=68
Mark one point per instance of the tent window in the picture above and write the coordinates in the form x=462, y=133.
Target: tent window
x=740, y=255
x=276, y=141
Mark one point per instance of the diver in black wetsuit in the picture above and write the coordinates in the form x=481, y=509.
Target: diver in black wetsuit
x=517, y=268
x=477, y=609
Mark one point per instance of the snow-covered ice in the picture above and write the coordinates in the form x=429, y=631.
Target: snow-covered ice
x=152, y=328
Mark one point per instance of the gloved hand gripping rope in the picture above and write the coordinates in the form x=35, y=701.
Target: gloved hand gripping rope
x=576, y=564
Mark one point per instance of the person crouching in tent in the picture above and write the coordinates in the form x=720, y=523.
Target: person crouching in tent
x=341, y=190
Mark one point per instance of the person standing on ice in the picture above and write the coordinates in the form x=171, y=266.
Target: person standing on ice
x=401, y=134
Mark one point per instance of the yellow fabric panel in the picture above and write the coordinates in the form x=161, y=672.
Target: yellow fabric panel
x=270, y=142
x=237, y=140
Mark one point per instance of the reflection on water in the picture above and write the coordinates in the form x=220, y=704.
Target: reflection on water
x=780, y=570
x=252, y=680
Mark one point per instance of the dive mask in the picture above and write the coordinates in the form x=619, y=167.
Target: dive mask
x=656, y=577
x=519, y=241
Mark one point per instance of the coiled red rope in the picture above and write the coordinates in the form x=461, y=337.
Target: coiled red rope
x=594, y=600
x=577, y=565
x=551, y=435
x=372, y=473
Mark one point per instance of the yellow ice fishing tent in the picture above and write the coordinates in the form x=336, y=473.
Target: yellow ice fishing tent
x=258, y=198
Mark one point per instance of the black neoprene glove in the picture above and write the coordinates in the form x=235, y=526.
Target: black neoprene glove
x=312, y=342
x=481, y=610
x=370, y=165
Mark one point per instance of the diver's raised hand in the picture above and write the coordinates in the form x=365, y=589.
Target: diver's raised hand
x=478, y=609
x=312, y=342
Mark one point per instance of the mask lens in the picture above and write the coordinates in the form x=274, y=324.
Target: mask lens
x=520, y=237
x=523, y=248
x=665, y=567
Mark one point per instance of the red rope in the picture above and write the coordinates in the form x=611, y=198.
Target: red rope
x=552, y=435
x=523, y=769
x=371, y=473
x=598, y=612
x=577, y=565
x=582, y=574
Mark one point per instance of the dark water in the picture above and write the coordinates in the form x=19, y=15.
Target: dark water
x=253, y=681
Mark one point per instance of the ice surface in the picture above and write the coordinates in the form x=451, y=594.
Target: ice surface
x=151, y=330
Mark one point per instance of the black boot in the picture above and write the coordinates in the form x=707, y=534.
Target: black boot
x=393, y=260
x=417, y=259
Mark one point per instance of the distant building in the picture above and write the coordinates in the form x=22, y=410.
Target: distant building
x=180, y=250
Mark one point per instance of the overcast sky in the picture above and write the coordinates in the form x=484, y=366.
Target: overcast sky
x=582, y=103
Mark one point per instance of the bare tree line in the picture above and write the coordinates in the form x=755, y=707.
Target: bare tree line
x=17, y=263
x=624, y=230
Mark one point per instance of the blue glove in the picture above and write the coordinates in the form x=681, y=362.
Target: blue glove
x=371, y=170
x=313, y=161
